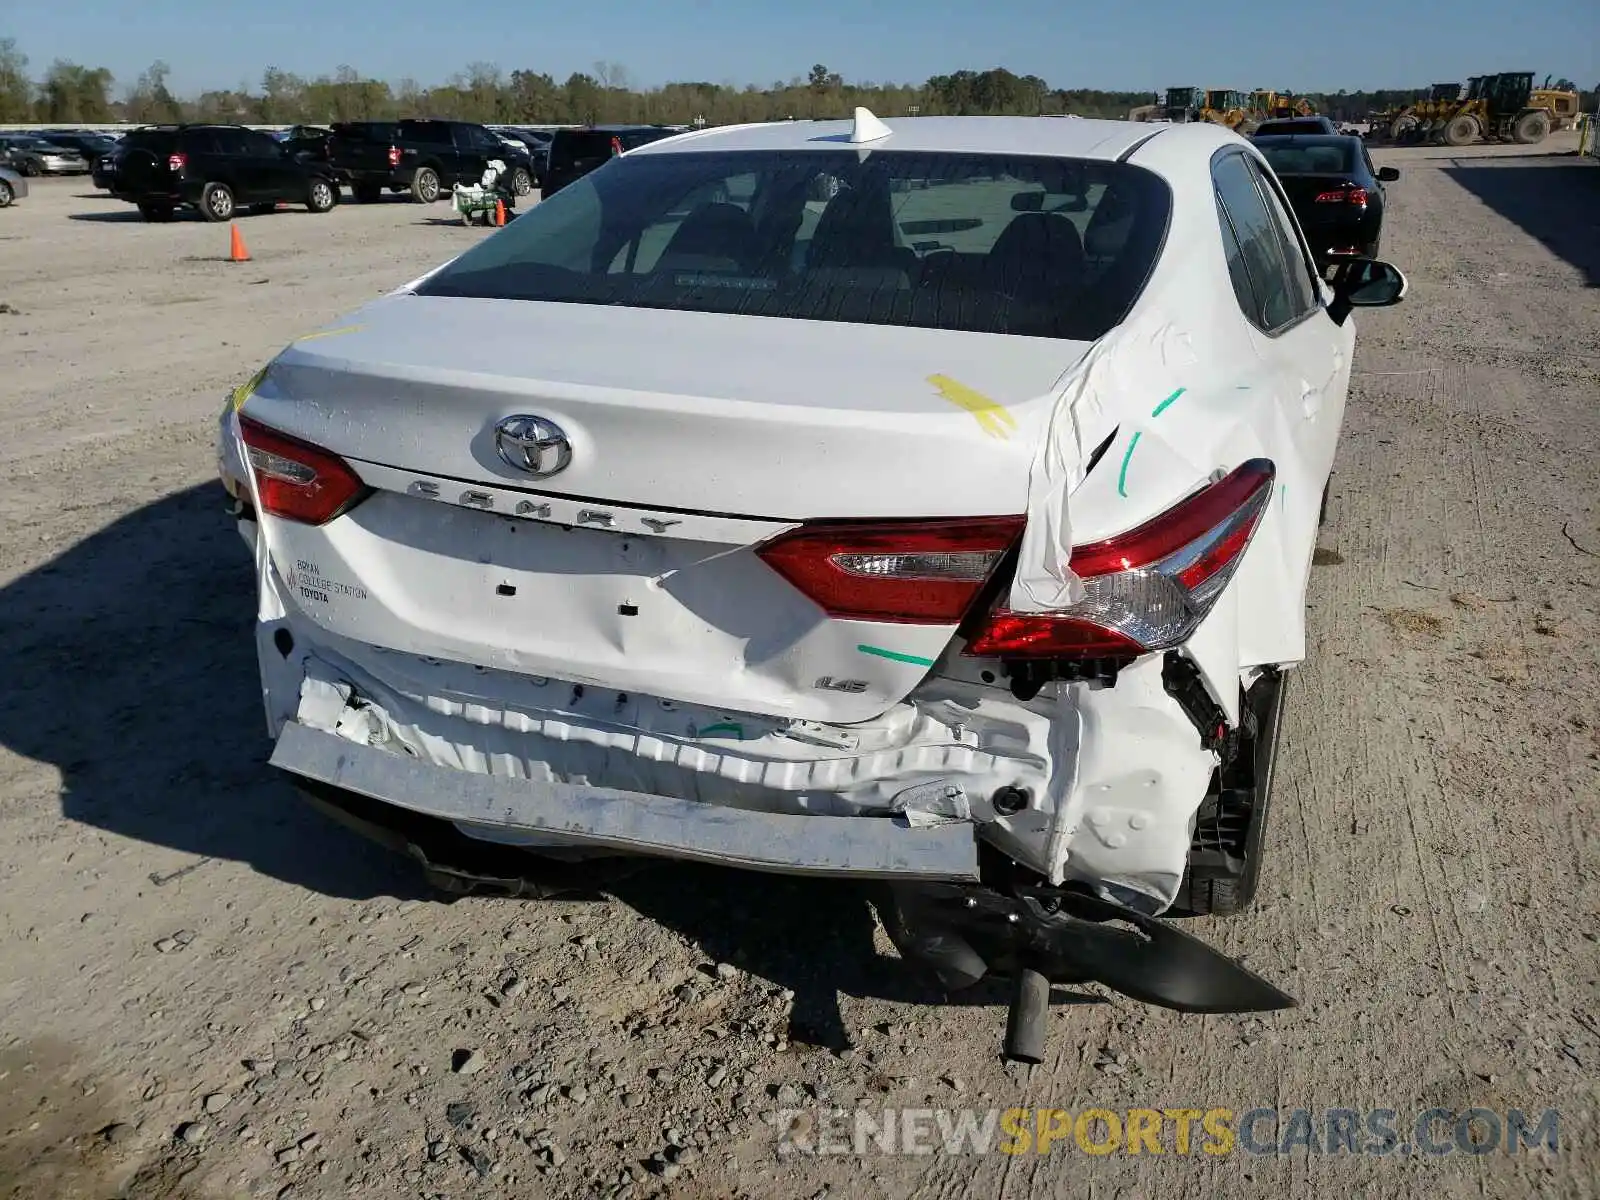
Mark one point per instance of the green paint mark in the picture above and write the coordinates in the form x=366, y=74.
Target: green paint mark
x=1167, y=403
x=896, y=656
x=725, y=727
x=1122, y=476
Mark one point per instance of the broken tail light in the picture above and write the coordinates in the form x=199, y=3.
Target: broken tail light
x=176, y=162
x=904, y=572
x=1147, y=589
x=296, y=480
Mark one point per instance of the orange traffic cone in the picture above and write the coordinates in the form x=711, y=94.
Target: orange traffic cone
x=236, y=250
x=499, y=212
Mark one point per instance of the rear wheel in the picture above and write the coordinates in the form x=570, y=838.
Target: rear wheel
x=320, y=198
x=425, y=185
x=1531, y=127
x=6, y=195
x=1461, y=131
x=217, y=203
x=1226, y=849
x=521, y=182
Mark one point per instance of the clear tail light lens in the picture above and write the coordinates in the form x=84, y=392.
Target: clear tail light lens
x=296, y=480
x=1147, y=589
x=905, y=572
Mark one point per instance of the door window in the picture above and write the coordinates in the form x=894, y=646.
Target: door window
x=259, y=145
x=227, y=141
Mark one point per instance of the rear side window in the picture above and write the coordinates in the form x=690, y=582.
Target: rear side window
x=1035, y=246
x=1260, y=273
x=428, y=133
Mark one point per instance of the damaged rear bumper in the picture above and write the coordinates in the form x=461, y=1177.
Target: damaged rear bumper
x=629, y=822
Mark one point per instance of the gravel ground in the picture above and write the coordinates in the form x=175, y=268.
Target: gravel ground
x=208, y=991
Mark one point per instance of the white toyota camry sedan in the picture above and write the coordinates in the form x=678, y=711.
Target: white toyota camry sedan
x=929, y=502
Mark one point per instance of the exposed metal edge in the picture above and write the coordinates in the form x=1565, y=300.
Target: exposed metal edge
x=853, y=847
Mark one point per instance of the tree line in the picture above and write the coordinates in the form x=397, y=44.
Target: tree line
x=70, y=93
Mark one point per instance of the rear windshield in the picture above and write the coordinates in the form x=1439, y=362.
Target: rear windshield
x=1313, y=158
x=1037, y=246
x=1269, y=128
x=580, y=144
x=156, y=141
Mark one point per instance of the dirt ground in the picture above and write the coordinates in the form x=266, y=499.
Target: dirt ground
x=208, y=991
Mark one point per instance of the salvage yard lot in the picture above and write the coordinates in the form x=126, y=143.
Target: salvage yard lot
x=177, y=926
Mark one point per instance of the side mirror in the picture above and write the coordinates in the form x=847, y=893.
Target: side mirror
x=1388, y=174
x=1364, y=283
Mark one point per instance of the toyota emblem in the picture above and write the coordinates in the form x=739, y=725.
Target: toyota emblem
x=533, y=445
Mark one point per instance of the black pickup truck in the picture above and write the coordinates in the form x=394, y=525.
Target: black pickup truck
x=423, y=157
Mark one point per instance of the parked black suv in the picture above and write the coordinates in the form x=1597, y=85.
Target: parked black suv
x=423, y=157
x=576, y=152
x=216, y=170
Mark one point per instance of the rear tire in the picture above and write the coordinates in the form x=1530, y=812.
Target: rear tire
x=1531, y=127
x=6, y=196
x=425, y=185
x=320, y=198
x=1461, y=131
x=29, y=168
x=521, y=182
x=217, y=203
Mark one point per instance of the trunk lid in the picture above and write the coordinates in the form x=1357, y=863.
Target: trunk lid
x=748, y=416
x=1303, y=191
x=695, y=438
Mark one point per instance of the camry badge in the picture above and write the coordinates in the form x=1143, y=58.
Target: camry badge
x=533, y=445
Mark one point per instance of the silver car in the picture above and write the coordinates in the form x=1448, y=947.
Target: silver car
x=12, y=187
x=35, y=156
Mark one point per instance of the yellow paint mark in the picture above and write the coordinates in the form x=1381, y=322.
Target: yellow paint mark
x=311, y=337
x=992, y=418
x=245, y=390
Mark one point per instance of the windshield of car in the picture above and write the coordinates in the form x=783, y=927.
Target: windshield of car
x=1290, y=126
x=986, y=243
x=1309, y=158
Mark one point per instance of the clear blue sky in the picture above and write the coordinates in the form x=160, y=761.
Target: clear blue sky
x=1121, y=44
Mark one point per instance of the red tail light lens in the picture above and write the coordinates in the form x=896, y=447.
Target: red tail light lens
x=176, y=162
x=1345, y=195
x=298, y=481
x=616, y=147
x=394, y=156
x=905, y=572
x=1147, y=589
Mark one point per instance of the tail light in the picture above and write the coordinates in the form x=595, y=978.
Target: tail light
x=1147, y=589
x=1345, y=195
x=394, y=156
x=903, y=572
x=176, y=162
x=295, y=480
x=616, y=147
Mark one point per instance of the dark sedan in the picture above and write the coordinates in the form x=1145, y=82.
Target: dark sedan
x=1336, y=191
